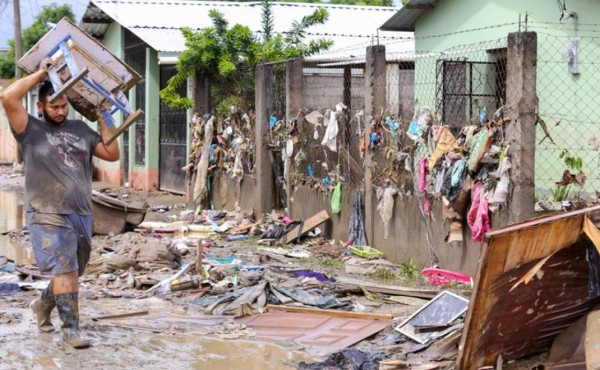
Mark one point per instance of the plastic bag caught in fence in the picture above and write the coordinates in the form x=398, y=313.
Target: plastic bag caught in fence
x=330, y=137
x=336, y=199
x=386, y=209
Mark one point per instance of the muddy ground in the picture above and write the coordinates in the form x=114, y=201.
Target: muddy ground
x=195, y=341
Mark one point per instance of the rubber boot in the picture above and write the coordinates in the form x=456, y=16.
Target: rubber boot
x=42, y=308
x=68, y=310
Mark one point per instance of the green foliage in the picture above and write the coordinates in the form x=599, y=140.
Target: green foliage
x=31, y=35
x=267, y=20
x=329, y=262
x=384, y=273
x=573, y=163
x=408, y=270
x=228, y=56
x=560, y=193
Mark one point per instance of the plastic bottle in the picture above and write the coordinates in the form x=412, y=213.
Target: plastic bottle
x=232, y=238
x=190, y=283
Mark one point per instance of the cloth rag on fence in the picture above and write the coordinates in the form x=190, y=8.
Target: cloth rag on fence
x=478, y=216
x=356, y=226
x=330, y=137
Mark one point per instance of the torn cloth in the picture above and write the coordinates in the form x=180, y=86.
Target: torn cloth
x=264, y=293
x=330, y=137
x=357, y=225
x=347, y=359
x=478, y=216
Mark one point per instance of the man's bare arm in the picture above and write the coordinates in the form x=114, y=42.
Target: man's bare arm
x=12, y=95
x=110, y=152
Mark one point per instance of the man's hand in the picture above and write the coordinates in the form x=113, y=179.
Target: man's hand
x=43, y=68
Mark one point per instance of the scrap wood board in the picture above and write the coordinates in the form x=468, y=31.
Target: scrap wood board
x=306, y=226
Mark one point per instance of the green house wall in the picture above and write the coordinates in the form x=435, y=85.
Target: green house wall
x=568, y=103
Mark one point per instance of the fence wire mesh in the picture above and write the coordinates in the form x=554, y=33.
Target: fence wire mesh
x=329, y=134
x=462, y=89
x=460, y=92
x=569, y=110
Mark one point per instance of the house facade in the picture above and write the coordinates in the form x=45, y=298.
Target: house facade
x=468, y=40
x=146, y=35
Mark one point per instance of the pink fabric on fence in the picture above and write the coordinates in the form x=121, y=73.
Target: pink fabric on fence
x=478, y=216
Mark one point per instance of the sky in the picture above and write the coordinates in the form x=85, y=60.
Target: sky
x=29, y=10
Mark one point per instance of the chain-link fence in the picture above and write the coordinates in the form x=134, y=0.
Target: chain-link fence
x=462, y=89
x=329, y=134
x=568, y=131
x=442, y=107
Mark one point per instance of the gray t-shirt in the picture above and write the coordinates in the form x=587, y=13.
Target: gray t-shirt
x=58, y=166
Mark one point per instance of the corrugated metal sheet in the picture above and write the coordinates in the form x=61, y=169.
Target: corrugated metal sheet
x=158, y=23
x=520, y=320
x=406, y=18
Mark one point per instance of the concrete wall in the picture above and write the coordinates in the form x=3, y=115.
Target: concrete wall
x=226, y=191
x=8, y=144
x=407, y=239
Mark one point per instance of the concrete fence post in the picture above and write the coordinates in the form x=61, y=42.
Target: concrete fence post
x=293, y=110
x=263, y=168
x=520, y=108
x=375, y=102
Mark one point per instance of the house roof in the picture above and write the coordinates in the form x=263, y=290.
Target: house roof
x=158, y=23
x=406, y=18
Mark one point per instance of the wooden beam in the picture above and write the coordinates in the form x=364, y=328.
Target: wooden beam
x=335, y=313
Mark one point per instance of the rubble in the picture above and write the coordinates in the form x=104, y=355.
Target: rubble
x=224, y=285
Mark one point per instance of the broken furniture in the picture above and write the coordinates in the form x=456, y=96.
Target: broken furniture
x=91, y=76
x=435, y=318
x=534, y=280
x=113, y=215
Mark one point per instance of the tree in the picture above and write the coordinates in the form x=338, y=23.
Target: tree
x=32, y=34
x=228, y=56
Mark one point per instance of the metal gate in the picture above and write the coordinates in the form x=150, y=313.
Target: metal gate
x=135, y=57
x=173, y=139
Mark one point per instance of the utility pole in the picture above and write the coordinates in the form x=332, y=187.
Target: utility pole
x=18, y=44
x=18, y=53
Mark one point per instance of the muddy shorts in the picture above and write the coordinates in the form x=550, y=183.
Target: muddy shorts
x=61, y=243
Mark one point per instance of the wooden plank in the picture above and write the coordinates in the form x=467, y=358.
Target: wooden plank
x=125, y=125
x=120, y=316
x=335, y=313
x=308, y=225
x=241, y=228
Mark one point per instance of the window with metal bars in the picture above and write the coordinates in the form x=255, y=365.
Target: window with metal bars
x=465, y=87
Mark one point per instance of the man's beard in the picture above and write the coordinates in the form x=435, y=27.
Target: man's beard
x=50, y=120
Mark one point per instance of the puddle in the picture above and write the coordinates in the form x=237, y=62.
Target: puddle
x=122, y=348
x=12, y=217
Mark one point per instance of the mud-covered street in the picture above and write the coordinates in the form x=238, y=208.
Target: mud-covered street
x=189, y=328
